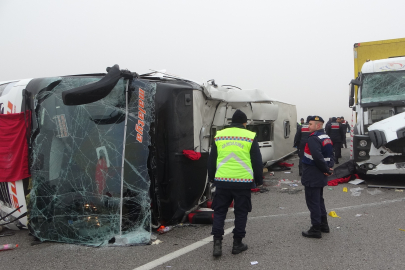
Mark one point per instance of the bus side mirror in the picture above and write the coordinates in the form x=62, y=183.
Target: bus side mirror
x=94, y=91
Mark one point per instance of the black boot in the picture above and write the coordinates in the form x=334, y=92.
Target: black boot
x=313, y=232
x=238, y=246
x=324, y=224
x=217, y=248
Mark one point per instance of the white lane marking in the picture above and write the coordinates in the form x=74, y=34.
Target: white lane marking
x=207, y=240
x=179, y=252
x=331, y=209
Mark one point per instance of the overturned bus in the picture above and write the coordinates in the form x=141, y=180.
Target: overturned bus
x=106, y=151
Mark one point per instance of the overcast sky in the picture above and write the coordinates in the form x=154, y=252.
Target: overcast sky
x=299, y=52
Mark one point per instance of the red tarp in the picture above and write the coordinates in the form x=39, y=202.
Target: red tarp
x=14, y=146
x=342, y=180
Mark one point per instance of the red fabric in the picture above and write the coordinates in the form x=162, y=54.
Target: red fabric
x=14, y=146
x=191, y=154
x=285, y=164
x=341, y=180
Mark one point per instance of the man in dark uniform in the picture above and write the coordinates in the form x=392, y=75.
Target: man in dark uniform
x=345, y=126
x=317, y=164
x=300, y=140
x=234, y=165
x=337, y=133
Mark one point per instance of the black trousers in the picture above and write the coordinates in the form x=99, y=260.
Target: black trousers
x=337, y=148
x=315, y=203
x=242, y=206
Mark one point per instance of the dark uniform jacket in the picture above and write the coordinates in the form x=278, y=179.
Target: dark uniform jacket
x=336, y=131
x=255, y=158
x=301, y=136
x=317, y=160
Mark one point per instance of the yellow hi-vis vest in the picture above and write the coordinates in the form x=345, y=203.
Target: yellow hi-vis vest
x=233, y=162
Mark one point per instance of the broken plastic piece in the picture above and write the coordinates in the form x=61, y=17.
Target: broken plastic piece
x=356, y=181
x=356, y=191
x=374, y=191
x=345, y=189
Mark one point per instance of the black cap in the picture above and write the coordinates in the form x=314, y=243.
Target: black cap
x=302, y=118
x=239, y=117
x=334, y=118
x=316, y=118
x=308, y=117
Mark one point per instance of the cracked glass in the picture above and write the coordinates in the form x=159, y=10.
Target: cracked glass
x=90, y=182
x=385, y=86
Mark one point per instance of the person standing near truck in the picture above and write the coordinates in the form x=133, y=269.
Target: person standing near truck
x=234, y=165
x=336, y=132
x=317, y=164
x=345, y=126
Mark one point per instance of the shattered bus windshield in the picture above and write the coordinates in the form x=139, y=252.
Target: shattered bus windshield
x=88, y=183
x=385, y=86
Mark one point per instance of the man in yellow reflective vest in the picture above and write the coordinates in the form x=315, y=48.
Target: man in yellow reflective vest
x=234, y=166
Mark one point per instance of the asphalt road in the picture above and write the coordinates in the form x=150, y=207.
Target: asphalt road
x=366, y=236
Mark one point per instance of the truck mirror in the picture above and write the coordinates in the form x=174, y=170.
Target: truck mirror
x=356, y=82
x=351, y=90
x=92, y=92
x=351, y=101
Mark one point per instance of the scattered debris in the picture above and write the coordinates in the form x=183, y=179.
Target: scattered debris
x=8, y=247
x=330, y=188
x=399, y=190
x=358, y=215
x=7, y=234
x=356, y=181
x=294, y=191
x=157, y=242
x=337, y=227
x=333, y=214
x=402, y=230
x=271, y=173
x=356, y=191
x=374, y=191
x=282, y=208
x=162, y=229
x=253, y=263
x=287, y=172
x=345, y=189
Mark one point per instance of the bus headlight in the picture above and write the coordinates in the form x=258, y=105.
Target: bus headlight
x=362, y=153
x=363, y=143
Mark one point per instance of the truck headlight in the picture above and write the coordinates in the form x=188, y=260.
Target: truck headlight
x=362, y=153
x=363, y=143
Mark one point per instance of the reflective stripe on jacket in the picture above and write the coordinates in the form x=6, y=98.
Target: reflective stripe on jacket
x=326, y=149
x=233, y=162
